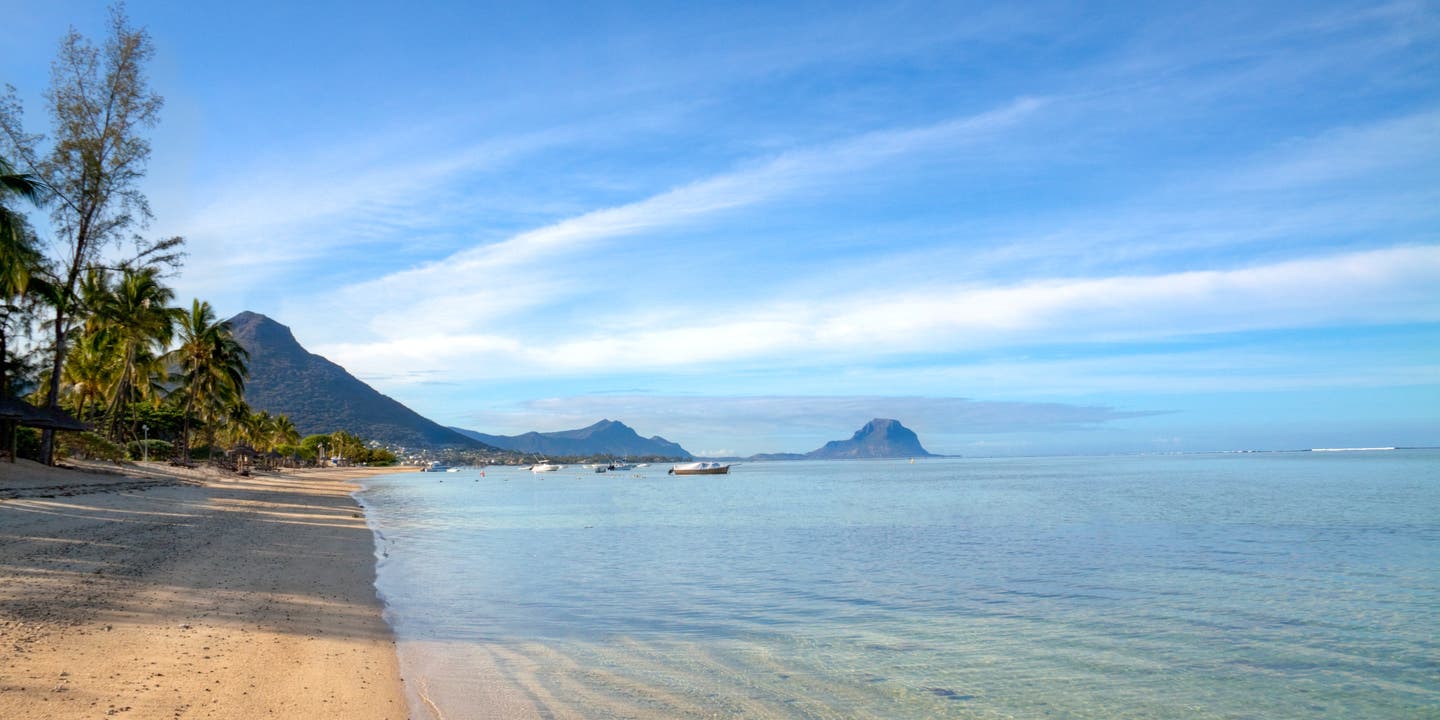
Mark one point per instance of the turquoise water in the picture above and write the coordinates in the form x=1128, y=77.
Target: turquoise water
x=1300, y=585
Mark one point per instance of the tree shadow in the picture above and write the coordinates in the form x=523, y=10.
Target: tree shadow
x=280, y=555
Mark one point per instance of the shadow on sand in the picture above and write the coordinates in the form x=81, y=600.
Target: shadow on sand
x=278, y=554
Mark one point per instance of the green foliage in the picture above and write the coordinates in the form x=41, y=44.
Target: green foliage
x=159, y=449
x=165, y=421
x=27, y=443
x=312, y=443
x=131, y=318
x=211, y=369
x=297, y=451
x=380, y=457
x=341, y=444
x=89, y=445
x=100, y=105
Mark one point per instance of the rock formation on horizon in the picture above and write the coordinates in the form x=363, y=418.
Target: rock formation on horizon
x=607, y=437
x=320, y=396
x=880, y=438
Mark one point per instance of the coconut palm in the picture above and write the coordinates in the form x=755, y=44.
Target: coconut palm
x=259, y=430
x=90, y=370
x=210, y=373
x=18, y=255
x=236, y=424
x=284, y=432
x=19, y=260
x=136, y=317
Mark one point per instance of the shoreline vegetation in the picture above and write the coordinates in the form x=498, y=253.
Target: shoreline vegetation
x=227, y=588
x=91, y=336
x=151, y=590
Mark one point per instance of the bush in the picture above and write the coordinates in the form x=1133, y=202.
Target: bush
x=159, y=449
x=27, y=443
x=87, y=445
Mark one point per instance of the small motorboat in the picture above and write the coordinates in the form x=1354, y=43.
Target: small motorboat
x=701, y=468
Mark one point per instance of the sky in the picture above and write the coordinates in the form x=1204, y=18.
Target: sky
x=1018, y=228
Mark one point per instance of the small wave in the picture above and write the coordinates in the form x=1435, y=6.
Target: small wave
x=1354, y=449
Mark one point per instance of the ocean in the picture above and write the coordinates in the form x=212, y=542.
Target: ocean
x=1265, y=585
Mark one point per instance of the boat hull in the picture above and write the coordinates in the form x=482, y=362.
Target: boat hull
x=703, y=468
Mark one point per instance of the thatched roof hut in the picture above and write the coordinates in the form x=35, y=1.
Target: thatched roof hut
x=39, y=417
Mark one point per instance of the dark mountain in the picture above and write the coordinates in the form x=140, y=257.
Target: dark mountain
x=607, y=437
x=320, y=396
x=878, y=439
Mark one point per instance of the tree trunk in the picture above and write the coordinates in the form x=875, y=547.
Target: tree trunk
x=52, y=398
x=7, y=428
x=185, y=429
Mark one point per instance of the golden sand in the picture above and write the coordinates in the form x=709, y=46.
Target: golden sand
x=160, y=592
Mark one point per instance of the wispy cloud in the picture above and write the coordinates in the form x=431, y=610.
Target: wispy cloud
x=1389, y=286
x=283, y=216
x=547, y=251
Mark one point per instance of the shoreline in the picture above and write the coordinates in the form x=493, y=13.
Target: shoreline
x=145, y=590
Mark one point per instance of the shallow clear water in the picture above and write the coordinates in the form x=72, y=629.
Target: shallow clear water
x=1213, y=586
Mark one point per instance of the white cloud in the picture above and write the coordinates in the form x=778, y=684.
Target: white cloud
x=282, y=216
x=1368, y=288
x=1348, y=153
x=531, y=268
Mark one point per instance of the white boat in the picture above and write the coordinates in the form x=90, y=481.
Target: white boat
x=436, y=467
x=620, y=466
x=545, y=467
x=701, y=468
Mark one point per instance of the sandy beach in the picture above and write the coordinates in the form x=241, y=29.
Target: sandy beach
x=155, y=592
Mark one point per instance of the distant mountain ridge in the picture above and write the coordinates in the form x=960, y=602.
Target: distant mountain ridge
x=320, y=396
x=879, y=438
x=607, y=437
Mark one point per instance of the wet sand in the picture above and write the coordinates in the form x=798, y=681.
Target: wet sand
x=169, y=593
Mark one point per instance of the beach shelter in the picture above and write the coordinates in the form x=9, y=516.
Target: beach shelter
x=15, y=412
x=241, y=457
x=10, y=416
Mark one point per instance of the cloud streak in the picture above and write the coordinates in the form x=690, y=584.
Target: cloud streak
x=1395, y=285
x=450, y=282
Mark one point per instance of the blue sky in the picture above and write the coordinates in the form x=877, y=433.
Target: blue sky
x=1018, y=228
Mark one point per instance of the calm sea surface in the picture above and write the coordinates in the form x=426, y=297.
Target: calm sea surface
x=1299, y=585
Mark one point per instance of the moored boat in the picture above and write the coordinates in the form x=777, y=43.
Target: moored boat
x=701, y=468
x=545, y=467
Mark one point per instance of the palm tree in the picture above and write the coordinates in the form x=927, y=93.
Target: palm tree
x=285, y=432
x=236, y=424
x=211, y=370
x=90, y=370
x=18, y=256
x=260, y=431
x=19, y=259
x=136, y=317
